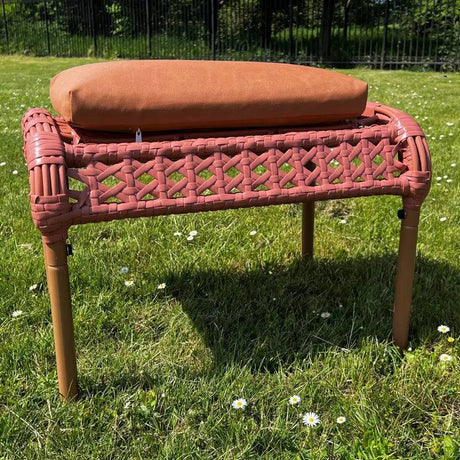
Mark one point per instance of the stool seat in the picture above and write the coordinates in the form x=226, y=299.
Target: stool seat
x=162, y=95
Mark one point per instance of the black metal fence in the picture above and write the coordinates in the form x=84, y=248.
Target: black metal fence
x=375, y=33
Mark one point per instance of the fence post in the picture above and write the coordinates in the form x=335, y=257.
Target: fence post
x=6, y=27
x=93, y=20
x=47, y=28
x=385, y=34
x=149, y=32
x=213, y=30
x=291, y=32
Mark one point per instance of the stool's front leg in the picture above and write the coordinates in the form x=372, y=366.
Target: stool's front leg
x=57, y=274
x=405, y=277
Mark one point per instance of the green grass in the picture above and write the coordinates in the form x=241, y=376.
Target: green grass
x=240, y=316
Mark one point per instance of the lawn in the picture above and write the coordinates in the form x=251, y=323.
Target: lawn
x=240, y=316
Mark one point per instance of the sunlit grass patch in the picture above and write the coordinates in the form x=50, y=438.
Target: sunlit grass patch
x=178, y=317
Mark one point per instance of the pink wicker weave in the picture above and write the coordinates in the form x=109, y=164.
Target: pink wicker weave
x=384, y=153
x=83, y=176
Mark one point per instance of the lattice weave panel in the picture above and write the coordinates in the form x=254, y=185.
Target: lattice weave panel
x=220, y=176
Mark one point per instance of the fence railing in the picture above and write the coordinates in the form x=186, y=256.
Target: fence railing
x=376, y=33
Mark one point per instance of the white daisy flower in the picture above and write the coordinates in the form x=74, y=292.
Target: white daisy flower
x=343, y=221
x=325, y=314
x=161, y=286
x=124, y=270
x=443, y=328
x=443, y=219
x=177, y=233
x=129, y=282
x=193, y=233
x=449, y=123
x=311, y=419
x=16, y=313
x=3, y=163
x=341, y=419
x=33, y=287
x=445, y=357
x=294, y=400
x=190, y=238
x=453, y=165
x=252, y=232
x=240, y=403
x=15, y=172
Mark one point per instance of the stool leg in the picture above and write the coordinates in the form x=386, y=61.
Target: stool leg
x=57, y=274
x=405, y=277
x=308, y=223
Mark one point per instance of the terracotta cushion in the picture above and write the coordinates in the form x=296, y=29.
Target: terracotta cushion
x=176, y=95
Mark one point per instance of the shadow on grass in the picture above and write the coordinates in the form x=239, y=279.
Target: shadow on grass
x=272, y=315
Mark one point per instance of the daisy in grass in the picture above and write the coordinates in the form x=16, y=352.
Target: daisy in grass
x=33, y=287
x=341, y=420
x=161, y=286
x=325, y=315
x=193, y=233
x=240, y=403
x=450, y=339
x=16, y=313
x=190, y=238
x=177, y=233
x=129, y=283
x=294, y=400
x=445, y=357
x=252, y=232
x=124, y=270
x=443, y=329
x=311, y=419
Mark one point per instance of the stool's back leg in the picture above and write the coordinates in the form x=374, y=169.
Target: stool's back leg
x=405, y=277
x=57, y=274
x=308, y=224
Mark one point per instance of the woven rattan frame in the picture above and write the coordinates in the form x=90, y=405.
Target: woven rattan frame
x=385, y=153
x=78, y=177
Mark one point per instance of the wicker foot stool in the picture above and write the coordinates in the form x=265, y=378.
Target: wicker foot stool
x=380, y=152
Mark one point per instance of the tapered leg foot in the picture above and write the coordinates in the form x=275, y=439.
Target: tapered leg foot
x=308, y=224
x=57, y=274
x=405, y=277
